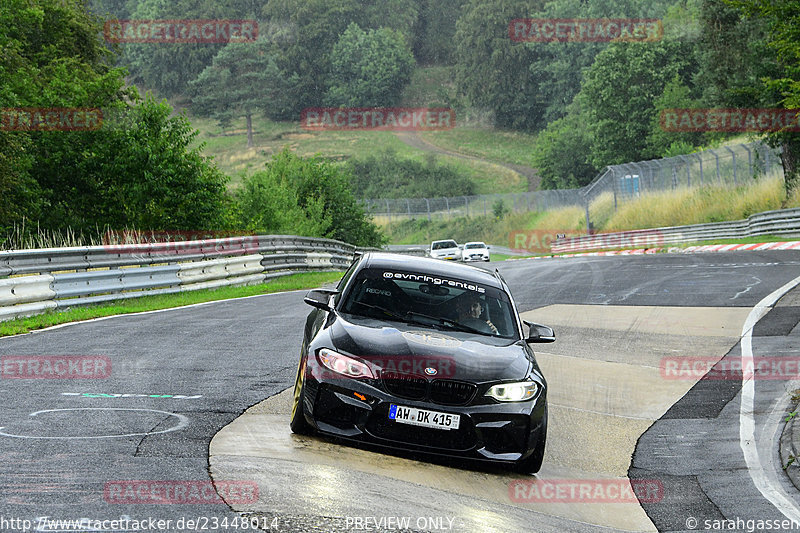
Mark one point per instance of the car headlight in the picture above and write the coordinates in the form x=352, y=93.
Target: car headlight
x=341, y=364
x=513, y=392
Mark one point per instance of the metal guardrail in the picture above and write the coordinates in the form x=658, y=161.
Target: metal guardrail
x=780, y=222
x=32, y=281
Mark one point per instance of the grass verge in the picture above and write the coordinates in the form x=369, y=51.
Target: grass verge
x=230, y=152
x=306, y=280
x=487, y=143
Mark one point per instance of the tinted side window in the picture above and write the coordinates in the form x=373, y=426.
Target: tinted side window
x=343, y=282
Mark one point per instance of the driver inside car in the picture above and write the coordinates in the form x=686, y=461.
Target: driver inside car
x=470, y=313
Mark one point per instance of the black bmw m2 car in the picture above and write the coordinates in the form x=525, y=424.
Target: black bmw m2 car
x=418, y=354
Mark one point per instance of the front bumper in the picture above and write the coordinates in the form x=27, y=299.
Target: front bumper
x=448, y=257
x=476, y=257
x=358, y=410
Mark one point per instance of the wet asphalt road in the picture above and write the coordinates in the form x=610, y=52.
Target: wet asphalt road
x=179, y=376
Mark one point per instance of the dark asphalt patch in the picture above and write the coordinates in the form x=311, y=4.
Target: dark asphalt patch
x=683, y=497
x=779, y=322
x=708, y=396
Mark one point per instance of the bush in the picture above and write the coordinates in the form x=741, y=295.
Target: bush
x=387, y=176
x=305, y=196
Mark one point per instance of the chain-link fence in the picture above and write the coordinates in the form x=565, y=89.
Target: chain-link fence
x=726, y=166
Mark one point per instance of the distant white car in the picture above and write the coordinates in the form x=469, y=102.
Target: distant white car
x=446, y=249
x=475, y=251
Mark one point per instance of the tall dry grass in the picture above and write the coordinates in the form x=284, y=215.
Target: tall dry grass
x=697, y=206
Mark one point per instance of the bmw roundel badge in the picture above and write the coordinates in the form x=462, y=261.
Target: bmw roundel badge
x=430, y=371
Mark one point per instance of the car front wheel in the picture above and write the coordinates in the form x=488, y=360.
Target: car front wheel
x=298, y=423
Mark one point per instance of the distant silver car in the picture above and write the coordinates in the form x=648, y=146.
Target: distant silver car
x=446, y=249
x=475, y=251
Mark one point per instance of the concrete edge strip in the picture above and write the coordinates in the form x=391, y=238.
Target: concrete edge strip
x=766, y=484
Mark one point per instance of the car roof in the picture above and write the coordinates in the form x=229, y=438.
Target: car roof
x=444, y=240
x=434, y=267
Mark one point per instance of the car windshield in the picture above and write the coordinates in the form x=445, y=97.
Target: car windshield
x=422, y=299
x=444, y=244
x=474, y=246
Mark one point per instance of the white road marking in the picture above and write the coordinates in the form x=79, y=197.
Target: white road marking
x=766, y=482
x=182, y=423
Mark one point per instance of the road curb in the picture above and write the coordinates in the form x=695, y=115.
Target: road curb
x=755, y=247
x=787, y=449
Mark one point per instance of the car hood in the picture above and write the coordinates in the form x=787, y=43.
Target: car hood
x=411, y=348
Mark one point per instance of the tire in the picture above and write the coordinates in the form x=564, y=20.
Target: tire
x=533, y=463
x=298, y=423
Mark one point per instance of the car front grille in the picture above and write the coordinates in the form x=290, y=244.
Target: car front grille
x=405, y=386
x=450, y=392
x=441, y=391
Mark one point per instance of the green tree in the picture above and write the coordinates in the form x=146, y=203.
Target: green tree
x=135, y=171
x=733, y=55
x=369, y=68
x=242, y=80
x=168, y=68
x=434, y=31
x=676, y=95
x=491, y=70
x=51, y=57
x=558, y=67
x=319, y=24
x=780, y=20
x=618, y=93
x=561, y=153
x=138, y=171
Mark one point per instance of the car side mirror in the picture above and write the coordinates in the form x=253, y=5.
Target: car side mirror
x=320, y=298
x=539, y=333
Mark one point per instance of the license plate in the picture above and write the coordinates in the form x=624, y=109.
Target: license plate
x=423, y=417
